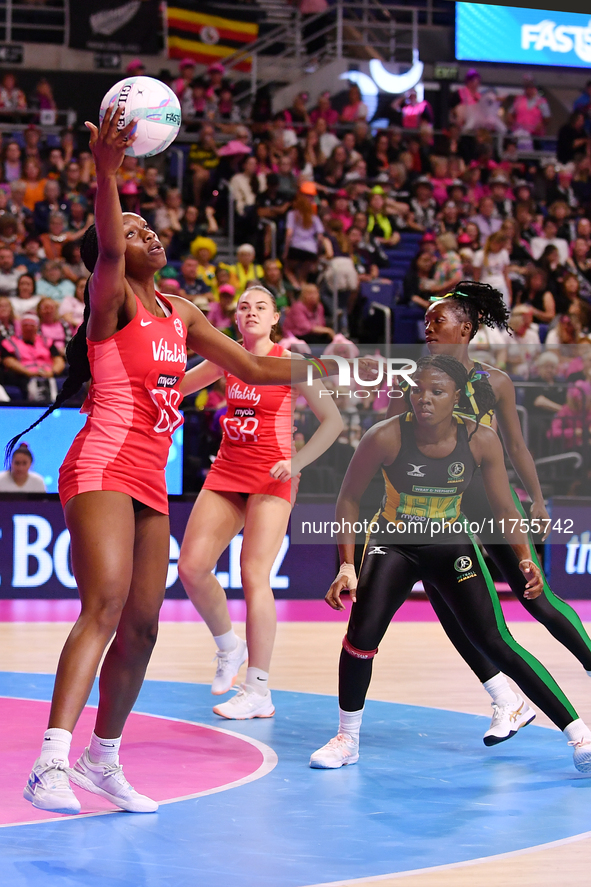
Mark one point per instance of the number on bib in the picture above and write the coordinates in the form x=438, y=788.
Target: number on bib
x=167, y=400
x=241, y=430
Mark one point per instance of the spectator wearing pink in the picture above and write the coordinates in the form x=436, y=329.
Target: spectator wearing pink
x=305, y=318
x=53, y=329
x=530, y=111
x=324, y=111
x=30, y=356
x=355, y=109
x=221, y=314
x=215, y=74
x=475, y=190
x=341, y=210
x=71, y=308
x=135, y=68
x=183, y=83
x=470, y=94
x=414, y=112
x=568, y=421
x=441, y=180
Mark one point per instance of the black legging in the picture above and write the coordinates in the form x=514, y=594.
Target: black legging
x=459, y=574
x=551, y=611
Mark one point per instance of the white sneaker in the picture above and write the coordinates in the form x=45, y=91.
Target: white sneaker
x=246, y=704
x=582, y=755
x=507, y=720
x=340, y=751
x=229, y=665
x=108, y=781
x=48, y=788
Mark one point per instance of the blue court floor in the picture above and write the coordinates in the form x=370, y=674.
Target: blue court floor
x=426, y=792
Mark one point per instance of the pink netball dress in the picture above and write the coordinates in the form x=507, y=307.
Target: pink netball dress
x=257, y=433
x=132, y=411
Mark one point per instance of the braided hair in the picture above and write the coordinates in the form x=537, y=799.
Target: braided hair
x=480, y=304
x=461, y=379
x=76, y=349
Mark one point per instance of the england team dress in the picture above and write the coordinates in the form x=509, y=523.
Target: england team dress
x=257, y=433
x=132, y=411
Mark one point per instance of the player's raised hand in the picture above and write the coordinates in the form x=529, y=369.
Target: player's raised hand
x=108, y=143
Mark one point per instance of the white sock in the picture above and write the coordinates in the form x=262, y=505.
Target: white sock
x=226, y=643
x=257, y=680
x=499, y=690
x=103, y=751
x=577, y=731
x=56, y=746
x=350, y=723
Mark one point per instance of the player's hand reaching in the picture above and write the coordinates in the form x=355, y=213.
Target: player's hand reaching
x=346, y=580
x=108, y=143
x=533, y=575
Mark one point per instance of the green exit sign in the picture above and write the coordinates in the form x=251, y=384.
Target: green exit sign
x=445, y=72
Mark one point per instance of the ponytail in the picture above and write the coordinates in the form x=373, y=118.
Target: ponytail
x=461, y=379
x=76, y=349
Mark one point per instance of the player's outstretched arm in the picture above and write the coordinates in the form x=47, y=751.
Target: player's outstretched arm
x=107, y=284
x=210, y=343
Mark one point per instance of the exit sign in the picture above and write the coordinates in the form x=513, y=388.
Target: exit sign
x=445, y=72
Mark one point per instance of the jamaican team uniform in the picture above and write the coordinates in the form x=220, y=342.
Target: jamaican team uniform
x=419, y=488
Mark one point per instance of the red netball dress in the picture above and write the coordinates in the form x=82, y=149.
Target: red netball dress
x=132, y=411
x=257, y=433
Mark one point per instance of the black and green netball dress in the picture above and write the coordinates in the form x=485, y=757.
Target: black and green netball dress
x=421, y=490
x=551, y=611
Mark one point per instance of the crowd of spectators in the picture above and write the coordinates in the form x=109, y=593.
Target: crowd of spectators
x=320, y=199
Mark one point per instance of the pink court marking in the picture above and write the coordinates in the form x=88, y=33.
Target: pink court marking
x=193, y=759
x=414, y=610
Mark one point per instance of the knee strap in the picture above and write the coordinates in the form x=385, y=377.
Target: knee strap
x=358, y=654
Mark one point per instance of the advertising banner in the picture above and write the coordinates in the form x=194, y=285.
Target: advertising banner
x=487, y=33
x=35, y=556
x=132, y=26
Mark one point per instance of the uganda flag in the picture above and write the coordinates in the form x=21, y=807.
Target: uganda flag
x=208, y=38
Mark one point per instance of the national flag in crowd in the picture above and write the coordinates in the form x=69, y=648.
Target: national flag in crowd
x=207, y=38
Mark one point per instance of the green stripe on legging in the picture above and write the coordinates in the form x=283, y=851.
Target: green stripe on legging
x=533, y=663
x=557, y=602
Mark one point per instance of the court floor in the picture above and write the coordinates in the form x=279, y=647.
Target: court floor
x=427, y=804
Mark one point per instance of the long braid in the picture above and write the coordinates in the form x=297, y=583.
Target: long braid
x=76, y=349
x=461, y=378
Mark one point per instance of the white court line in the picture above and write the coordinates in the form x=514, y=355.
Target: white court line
x=270, y=761
x=454, y=865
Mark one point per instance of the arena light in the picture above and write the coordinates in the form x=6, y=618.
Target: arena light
x=397, y=83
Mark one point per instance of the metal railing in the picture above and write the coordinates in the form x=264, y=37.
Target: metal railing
x=26, y=22
x=366, y=29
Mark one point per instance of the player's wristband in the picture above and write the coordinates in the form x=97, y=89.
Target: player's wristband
x=347, y=570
